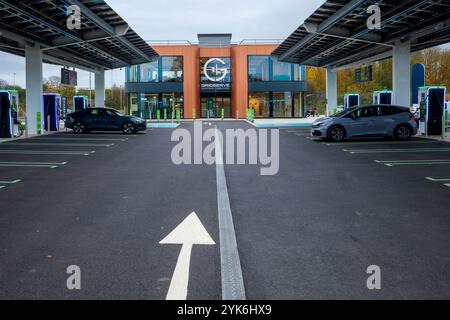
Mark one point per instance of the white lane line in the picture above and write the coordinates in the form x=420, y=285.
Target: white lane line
x=32, y=164
x=231, y=270
x=57, y=144
x=1, y=187
x=47, y=152
x=428, y=178
x=11, y=182
x=405, y=150
x=188, y=233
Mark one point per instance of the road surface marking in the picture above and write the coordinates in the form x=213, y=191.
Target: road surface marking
x=231, y=270
x=447, y=185
x=190, y=232
x=302, y=135
x=410, y=150
x=11, y=182
x=57, y=144
x=413, y=162
x=74, y=138
x=1, y=187
x=32, y=164
x=47, y=152
x=337, y=144
x=428, y=178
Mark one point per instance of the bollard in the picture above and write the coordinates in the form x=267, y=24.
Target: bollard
x=158, y=115
x=194, y=113
x=222, y=112
x=178, y=116
x=39, y=122
x=165, y=114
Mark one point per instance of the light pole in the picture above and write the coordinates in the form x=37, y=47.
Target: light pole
x=14, y=81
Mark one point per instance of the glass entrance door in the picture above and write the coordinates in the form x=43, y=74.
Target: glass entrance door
x=212, y=105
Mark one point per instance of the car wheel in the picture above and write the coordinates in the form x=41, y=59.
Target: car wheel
x=79, y=127
x=336, y=134
x=129, y=128
x=403, y=132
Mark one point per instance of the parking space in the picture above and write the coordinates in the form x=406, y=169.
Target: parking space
x=22, y=160
x=309, y=232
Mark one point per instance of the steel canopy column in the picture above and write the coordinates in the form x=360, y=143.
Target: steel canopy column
x=401, y=69
x=100, y=89
x=332, y=95
x=34, y=90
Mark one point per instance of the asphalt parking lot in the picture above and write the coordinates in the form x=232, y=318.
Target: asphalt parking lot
x=105, y=201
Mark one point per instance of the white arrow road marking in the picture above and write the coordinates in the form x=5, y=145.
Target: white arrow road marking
x=190, y=232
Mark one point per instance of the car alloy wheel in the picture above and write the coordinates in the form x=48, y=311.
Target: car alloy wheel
x=128, y=128
x=79, y=128
x=403, y=133
x=337, y=134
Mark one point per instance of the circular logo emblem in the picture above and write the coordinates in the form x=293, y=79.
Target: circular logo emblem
x=215, y=70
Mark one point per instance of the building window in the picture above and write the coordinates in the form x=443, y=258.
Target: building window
x=258, y=68
x=150, y=72
x=299, y=73
x=133, y=104
x=282, y=71
x=259, y=101
x=172, y=69
x=282, y=104
x=133, y=74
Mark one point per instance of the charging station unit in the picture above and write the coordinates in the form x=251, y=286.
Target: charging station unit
x=6, y=118
x=382, y=97
x=351, y=100
x=432, y=110
x=80, y=103
x=51, y=110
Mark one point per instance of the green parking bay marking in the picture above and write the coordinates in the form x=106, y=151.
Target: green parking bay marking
x=47, y=152
x=78, y=139
x=413, y=162
x=32, y=164
x=57, y=144
x=409, y=150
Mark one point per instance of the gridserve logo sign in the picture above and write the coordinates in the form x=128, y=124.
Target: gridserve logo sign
x=215, y=70
x=216, y=74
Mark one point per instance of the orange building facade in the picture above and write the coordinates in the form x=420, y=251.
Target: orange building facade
x=215, y=79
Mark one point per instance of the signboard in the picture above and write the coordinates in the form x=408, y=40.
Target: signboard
x=418, y=80
x=364, y=74
x=215, y=74
x=69, y=77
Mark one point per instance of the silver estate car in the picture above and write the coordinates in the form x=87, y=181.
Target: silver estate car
x=367, y=121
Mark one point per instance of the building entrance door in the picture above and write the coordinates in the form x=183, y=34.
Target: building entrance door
x=213, y=104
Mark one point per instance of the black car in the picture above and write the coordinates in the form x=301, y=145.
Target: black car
x=103, y=119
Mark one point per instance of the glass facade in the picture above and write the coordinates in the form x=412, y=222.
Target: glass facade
x=172, y=69
x=150, y=72
x=259, y=68
x=132, y=74
x=277, y=104
x=282, y=71
x=165, y=69
x=166, y=103
x=156, y=88
x=260, y=102
x=266, y=68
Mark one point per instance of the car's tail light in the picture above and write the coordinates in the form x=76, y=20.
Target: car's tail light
x=413, y=117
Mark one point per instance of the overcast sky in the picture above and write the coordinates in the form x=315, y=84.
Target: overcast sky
x=183, y=20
